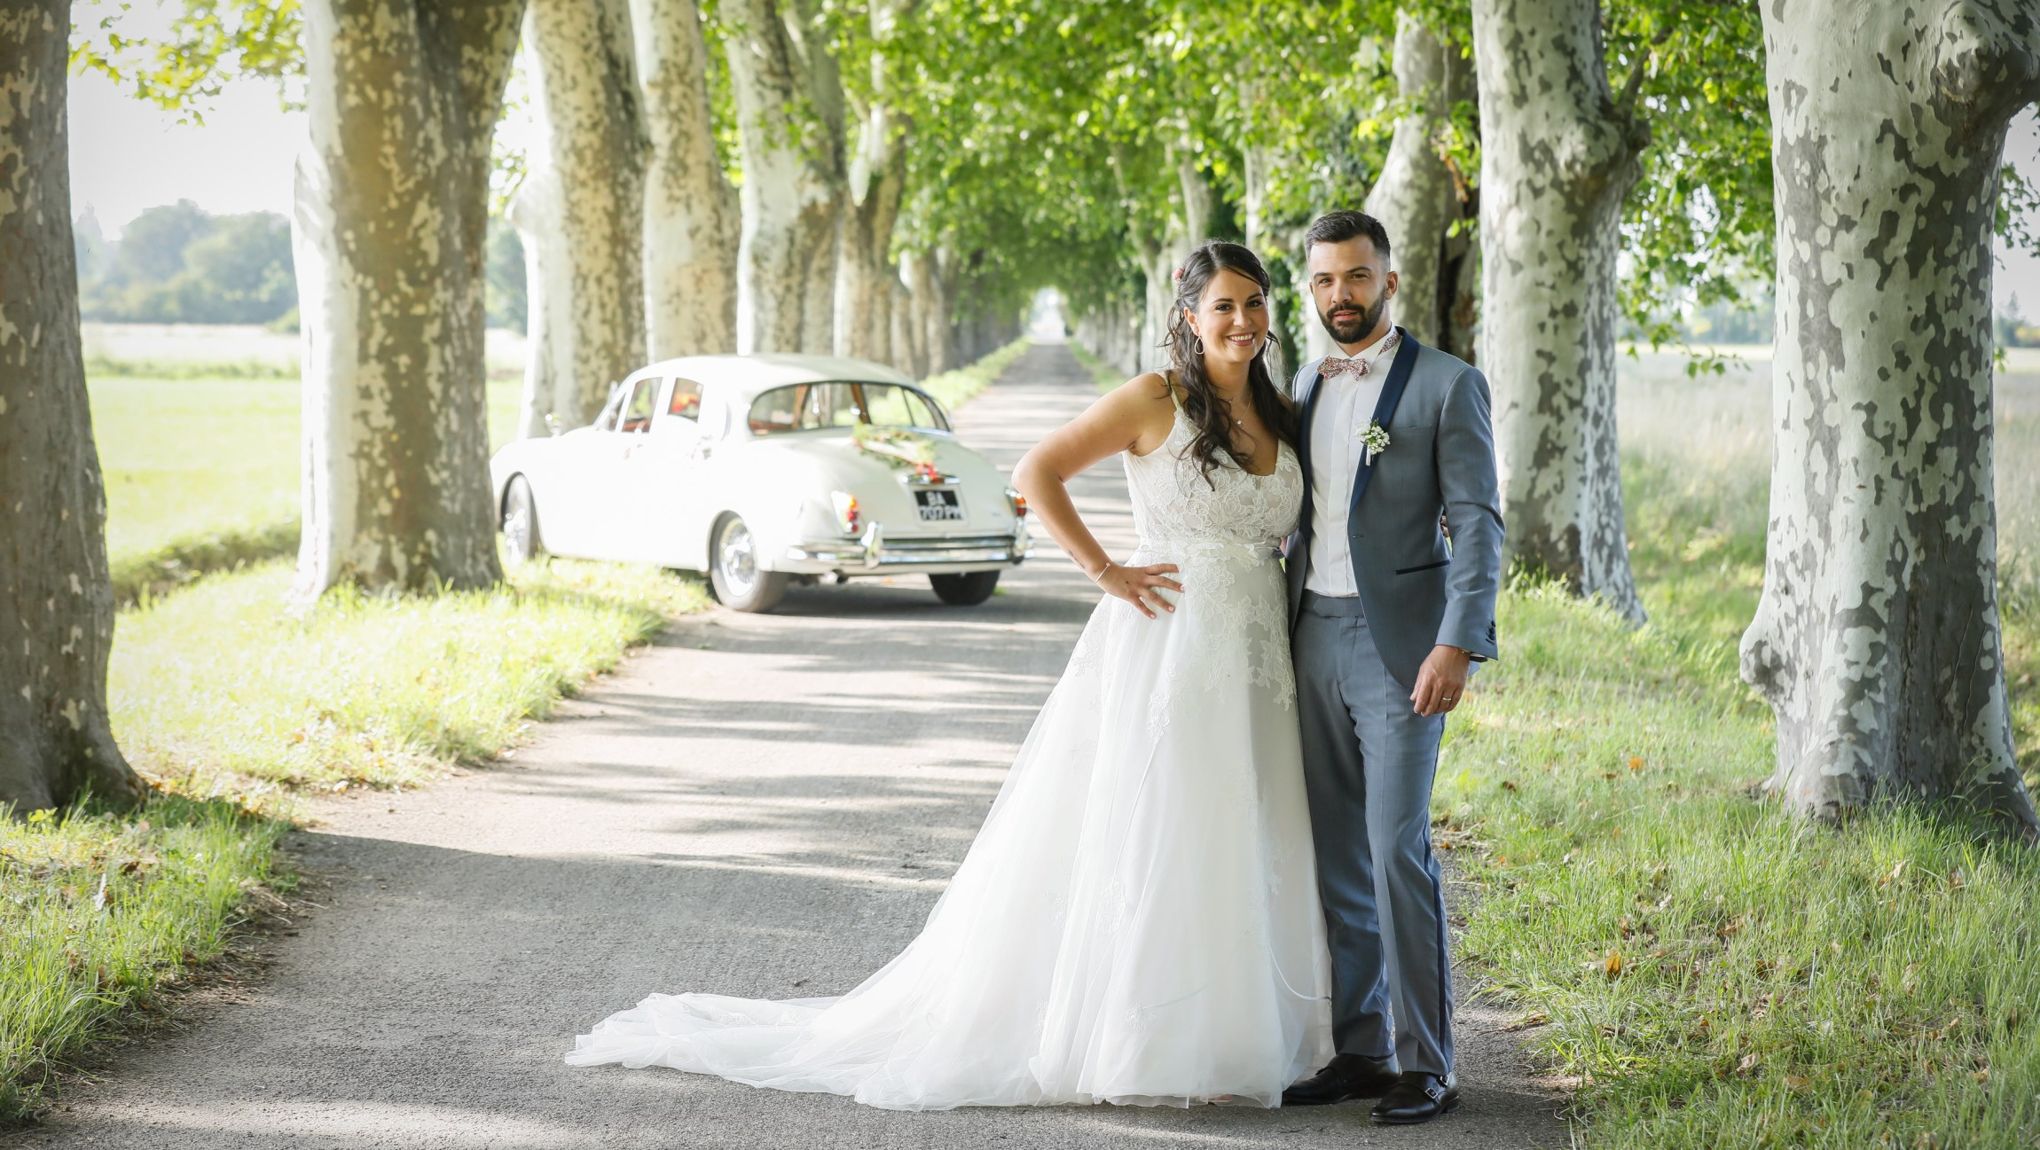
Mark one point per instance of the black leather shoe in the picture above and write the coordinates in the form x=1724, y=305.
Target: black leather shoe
x=1415, y=1097
x=1346, y=1076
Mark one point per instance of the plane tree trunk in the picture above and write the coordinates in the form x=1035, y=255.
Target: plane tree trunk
x=56, y=605
x=1877, y=641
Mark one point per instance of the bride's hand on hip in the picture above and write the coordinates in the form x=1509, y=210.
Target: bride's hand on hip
x=1140, y=586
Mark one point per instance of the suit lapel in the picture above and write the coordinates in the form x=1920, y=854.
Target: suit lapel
x=1317, y=380
x=1384, y=408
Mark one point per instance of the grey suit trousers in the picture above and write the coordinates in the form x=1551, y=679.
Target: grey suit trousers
x=1368, y=763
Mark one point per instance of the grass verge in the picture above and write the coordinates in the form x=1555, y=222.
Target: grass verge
x=106, y=914
x=177, y=564
x=954, y=388
x=1711, y=972
x=215, y=690
x=1106, y=376
x=236, y=711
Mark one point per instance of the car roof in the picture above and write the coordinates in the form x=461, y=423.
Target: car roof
x=748, y=375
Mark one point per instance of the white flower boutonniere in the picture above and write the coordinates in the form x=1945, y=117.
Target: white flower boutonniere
x=1374, y=441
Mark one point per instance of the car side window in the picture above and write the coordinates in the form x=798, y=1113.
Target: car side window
x=637, y=414
x=685, y=401
x=921, y=413
x=887, y=406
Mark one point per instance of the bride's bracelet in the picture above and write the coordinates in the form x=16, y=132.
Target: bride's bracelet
x=1109, y=565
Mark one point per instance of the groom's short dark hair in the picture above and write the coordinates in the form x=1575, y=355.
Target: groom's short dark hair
x=1340, y=226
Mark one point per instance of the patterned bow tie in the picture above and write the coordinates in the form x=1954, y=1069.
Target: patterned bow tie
x=1336, y=366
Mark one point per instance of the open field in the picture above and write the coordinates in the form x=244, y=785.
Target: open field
x=189, y=458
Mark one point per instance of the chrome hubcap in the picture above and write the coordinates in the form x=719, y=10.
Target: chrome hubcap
x=737, y=559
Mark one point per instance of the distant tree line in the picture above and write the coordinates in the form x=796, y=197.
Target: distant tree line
x=181, y=264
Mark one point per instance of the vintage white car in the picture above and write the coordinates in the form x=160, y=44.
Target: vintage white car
x=764, y=470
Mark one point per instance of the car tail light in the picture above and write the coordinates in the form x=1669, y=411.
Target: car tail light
x=1019, y=503
x=848, y=515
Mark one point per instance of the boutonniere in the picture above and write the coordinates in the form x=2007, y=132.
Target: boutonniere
x=1373, y=441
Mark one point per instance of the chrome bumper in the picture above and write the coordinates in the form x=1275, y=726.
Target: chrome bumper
x=871, y=553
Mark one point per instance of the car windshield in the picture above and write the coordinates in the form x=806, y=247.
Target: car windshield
x=816, y=406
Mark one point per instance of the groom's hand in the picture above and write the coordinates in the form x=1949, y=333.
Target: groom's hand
x=1441, y=680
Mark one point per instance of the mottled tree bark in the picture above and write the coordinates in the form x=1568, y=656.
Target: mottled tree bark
x=692, y=228
x=1877, y=640
x=581, y=212
x=865, y=272
x=1418, y=198
x=790, y=115
x=392, y=191
x=871, y=206
x=1557, y=158
x=56, y=606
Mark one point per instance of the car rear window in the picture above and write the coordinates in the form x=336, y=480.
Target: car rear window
x=816, y=406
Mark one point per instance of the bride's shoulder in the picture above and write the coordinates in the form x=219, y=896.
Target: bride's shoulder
x=1147, y=406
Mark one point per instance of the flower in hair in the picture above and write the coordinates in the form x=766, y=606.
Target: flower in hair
x=1177, y=275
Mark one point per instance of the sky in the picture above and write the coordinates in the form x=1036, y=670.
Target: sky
x=127, y=156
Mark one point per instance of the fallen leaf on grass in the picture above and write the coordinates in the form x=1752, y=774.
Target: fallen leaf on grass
x=1612, y=965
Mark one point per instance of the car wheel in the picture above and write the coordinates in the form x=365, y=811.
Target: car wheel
x=733, y=569
x=520, y=522
x=966, y=590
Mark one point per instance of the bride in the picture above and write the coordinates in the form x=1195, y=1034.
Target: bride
x=1137, y=920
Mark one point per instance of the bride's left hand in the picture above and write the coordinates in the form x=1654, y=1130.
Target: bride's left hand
x=1441, y=681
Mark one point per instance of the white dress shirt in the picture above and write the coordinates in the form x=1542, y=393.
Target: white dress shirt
x=1345, y=406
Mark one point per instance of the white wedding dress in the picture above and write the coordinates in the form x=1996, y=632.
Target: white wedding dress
x=1137, y=920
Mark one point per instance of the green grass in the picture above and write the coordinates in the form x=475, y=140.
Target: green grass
x=103, y=915
x=217, y=690
x=1709, y=971
x=202, y=472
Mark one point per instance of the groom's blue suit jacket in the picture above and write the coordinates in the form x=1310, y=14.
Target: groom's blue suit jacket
x=1417, y=589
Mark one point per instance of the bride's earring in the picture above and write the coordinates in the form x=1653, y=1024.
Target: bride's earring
x=1200, y=345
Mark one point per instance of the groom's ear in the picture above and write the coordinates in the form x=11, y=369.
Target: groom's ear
x=1391, y=284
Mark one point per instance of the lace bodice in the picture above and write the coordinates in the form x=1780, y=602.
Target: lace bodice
x=1173, y=505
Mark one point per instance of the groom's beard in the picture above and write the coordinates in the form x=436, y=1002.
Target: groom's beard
x=1353, y=326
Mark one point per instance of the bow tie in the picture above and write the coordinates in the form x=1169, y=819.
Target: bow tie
x=1336, y=366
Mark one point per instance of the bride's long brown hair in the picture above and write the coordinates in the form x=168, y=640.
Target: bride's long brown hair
x=1201, y=403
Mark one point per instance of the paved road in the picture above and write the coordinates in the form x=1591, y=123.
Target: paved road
x=761, y=806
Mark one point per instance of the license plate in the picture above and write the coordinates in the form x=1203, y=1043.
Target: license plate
x=939, y=506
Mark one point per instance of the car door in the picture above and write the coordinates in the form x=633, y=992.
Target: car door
x=661, y=476
x=606, y=511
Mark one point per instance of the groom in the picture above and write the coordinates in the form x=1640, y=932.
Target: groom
x=1387, y=615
